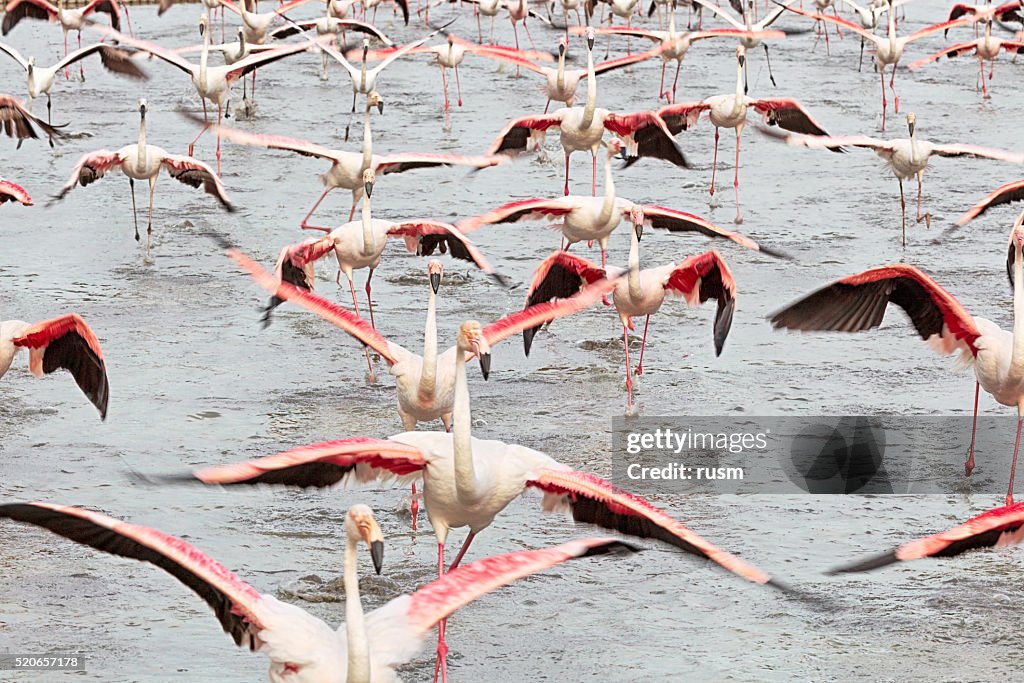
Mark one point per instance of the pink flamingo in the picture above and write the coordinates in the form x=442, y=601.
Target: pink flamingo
x=592, y=219
x=346, y=171
x=69, y=19
x=730, y=111
x=987, y=47
x=583, y=128
x=859, y=302
x=12, y=192
x=301, y=647
x=469, y=481
x=16, y=121
x=143, y=161
x=63, y=343
x=640, y=293
x=994, y=528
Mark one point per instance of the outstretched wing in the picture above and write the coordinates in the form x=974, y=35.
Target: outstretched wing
x=195, y=173
x=1011, y=192
x=702, y=277
x=521, y=210
x=424, y=237
x=680, y=221
x=514, y=137
x=90, y=168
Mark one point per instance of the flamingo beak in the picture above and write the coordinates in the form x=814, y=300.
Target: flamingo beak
x=368, y=188
x=743, y=60
x=638, y=228
x=435, y=281
x=377, y=555
x=561, y=49
x=911, y=125
x=202, y=28
x=380, y=106
x=374, y=538
x=483, y=352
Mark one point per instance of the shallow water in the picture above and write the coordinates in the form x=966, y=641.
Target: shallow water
x=195, y=380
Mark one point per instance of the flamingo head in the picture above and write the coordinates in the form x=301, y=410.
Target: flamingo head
x=204, y=23
x=31, y=65
x=741, y=55
x=368, y=177
x=241, y=34
x=562, y=45
x=471, y=338
x=1017, y=235
x=143, y=107
x=366, y=47
x=615, y=146
x=451, y=39
x=911, y=123
x=373, y=99
x=435, y=270
x=590, y=38
x=636, y=215
x=360, y=525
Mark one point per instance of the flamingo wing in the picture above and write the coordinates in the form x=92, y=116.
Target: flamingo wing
x=90, y=168
x=858, y=302
x=830, y=142
x=13, y=53
x=108, y=7
x=995, y=528
x=20, y=9
x=254, y=61
x=329, y=311
x=959, y=10
x=513, y=212
x=657, y=36
x=935, y=28
x=195, y=173
x=113, y=59
x=845, y=23
x=169, y=56
x=620, y=62
x=1011, y=192
x=400, y=163
x=12, y=192
x=790, y=115
x=957, y=150
x=365, y=28
x=560, y=276
x=17, y=121
x=514, y=137
x=287, y=144
x=592, y=500
x=531, y=318
x=237, y=605
x=682, y=116
x=646, y=135
x=679, y=221
x=294, y=28
x=68, y=343
x=318, y=465
x=951, y=51
x=1010, y=11
x=424, y=237
x=702, y=277
x=723, y=14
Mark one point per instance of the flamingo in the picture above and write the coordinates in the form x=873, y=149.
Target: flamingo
x=674, y=45
x=747, y=23
x=468, y=481
x=12, y=192
x=232, y=52
x=16, y=121
x=142, y=161
x=257, y=25
x=987, y=13
x=401, y=4
x=868, y=17
x=1011, y=192
x=986, y=47
x=582, y=129
x=301, y=647
x=519, y=11
x=889, y=48
x=360, y=244
x=641, y=293
x=619, y=8
x=70, y=19
x=450, y=54
x=213, y=83
x=906, y=158
x=858, y=303
x=567, y=6
x=994, y=528
x=63, y=343
x=346, y=171
x=483, y=8
x=41, y=79
x=730, y=111
x=595, y=218
x=329, y=25
x=563, y=83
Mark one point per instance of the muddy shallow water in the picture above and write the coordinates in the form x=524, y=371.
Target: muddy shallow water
x=195, y=380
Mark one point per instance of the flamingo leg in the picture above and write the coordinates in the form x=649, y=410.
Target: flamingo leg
x=675, y=82
x=352, y=114
x=836, y=13
x=149, y=228
x=643, y=345
x=903, y=213
x=131, y=184
x=458, y=85
x=567, y=174
x=736, y=176
x=462, y=550
x=305, y=221
x=969, y=465
x=369, y=299
x=355, y=305
x=442, y=646
x=479, y=29
x=860, y=62
x=444, y=88
x=526, y=27
x=714, y=163
x=192, y=145
x=661, y=88
x=984, y=88
x=81, y=62
x=1013, y=465
x=219, y=114
x=927, y=218
x=828, y=47
x=414, y=507
x=593, y=177
x=768, y=61
x=881, y=72
x=629, y=379
x=892, y=86
x=49, y=112
x=67, y=70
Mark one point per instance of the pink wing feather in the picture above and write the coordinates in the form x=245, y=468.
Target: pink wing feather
x=522, y=210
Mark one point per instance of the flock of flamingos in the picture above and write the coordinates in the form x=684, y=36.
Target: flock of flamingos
x=467, y=481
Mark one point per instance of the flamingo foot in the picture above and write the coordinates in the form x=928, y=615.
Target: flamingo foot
x=969, y=465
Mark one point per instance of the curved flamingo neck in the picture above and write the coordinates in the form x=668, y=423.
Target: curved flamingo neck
x=591, y=106
x=608, y=206
x=204, y=56
x=633, y=278
x=142, y=141
x=739, y=102
x=560, y=78
x=428, y=372
x=358, y=669
x=1017, y=357
x=367, y=139
x=368, y=242
x=913, y=145
x=462, y=450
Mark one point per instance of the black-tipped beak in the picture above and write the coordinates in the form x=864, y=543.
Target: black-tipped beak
x=202, y=29
x=528, y=339
x=911, y=126
x=485, y=365
x=639, y=230
x=380, y=107
x=377, y=555
x=561, y=50
x=368, y=188
x=590, y=43
x=435, y=281
x=743, y=60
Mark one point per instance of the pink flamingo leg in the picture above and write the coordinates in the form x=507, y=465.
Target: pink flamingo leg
x=892, y=86
x=219, y=112
x=305, y=221
x=661, y=88
x=593, y=177
x=643, y=345
x=67, y=70
x=675, y=82
x=969, y=465
x=442, y=647
x=828, y=47
x=462, y=550
x=629, y=379
x=566, y=174
x=415, y=507
x=736, y=176
x=192, y=145
x=714, y=163
x=355, y=305
x=881, y=73
x=526, y=27
x=444, y=88
x=984, y=88
x=81, y=62
x=458, y=85
x=369, y=299
x=1013, y=466
x=836, y=13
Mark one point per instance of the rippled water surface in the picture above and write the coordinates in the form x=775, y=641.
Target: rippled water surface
x=195, y=380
